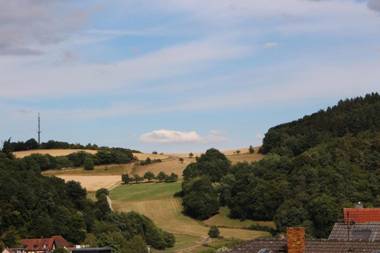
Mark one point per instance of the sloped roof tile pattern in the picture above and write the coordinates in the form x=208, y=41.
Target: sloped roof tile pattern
x=356, y=232
x=312, y=246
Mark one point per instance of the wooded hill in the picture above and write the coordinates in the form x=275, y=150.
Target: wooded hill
x=348, y=117
x=314, y=167
x=32, y=205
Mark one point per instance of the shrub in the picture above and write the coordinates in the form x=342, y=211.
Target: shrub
x=214, y=232
x=161, y=176
x=101, y=191
x=149, y=176
x=88, y=164
x=125, y=178
x=137, y=178
x=172, y=178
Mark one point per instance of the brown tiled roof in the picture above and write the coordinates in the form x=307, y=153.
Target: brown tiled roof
x=40, y=244
x=312, y=246
x=356, y=232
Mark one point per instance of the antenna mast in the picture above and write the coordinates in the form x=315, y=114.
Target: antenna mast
x=39, y=129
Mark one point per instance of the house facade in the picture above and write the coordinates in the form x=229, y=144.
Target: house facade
x=43, y=245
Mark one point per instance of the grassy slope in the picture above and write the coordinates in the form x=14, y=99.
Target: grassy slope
x=157, y=202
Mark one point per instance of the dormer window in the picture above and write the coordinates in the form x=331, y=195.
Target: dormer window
x=265, y=251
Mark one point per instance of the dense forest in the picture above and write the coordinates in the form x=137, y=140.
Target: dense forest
x=313, y=168
x=348, y=117
x=32, y=205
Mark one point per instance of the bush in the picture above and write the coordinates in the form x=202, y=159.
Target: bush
x=102, y=191
x=149, y=176
x=137, y=178
x=161, y=176
x=214, y=232
x=172, y=178
x=125, y=178
x=88, y=164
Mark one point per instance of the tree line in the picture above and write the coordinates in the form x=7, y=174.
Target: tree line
x=33, y=206
x=149, y=177
x=32, y=144
x=41, y=162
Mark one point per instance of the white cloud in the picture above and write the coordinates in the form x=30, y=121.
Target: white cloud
x=164, y=136
x=170, y=136
x=271, y=45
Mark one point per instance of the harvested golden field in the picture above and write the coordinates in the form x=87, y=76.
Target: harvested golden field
x=93, y=183
x=64, y=152
x=143, y=156
x=112, y=169
x=52, y=152
x=169, y=165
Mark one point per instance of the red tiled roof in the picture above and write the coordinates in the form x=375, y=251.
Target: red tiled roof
x=361, y=215
x=45, y=243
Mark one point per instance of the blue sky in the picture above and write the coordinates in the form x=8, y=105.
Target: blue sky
x=179, y=75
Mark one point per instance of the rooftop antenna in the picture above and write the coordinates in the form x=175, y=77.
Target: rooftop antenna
x=39, y=129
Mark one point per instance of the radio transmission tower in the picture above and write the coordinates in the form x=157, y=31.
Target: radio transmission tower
x=39, y=129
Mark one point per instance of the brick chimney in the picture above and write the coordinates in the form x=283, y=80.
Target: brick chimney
x=296, y=240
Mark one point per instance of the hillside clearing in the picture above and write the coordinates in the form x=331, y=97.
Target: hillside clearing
x=156, y=201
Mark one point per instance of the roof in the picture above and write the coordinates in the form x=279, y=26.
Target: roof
x=312, y=246
x=356, y=232
x=45, y=243
x=361, y=215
